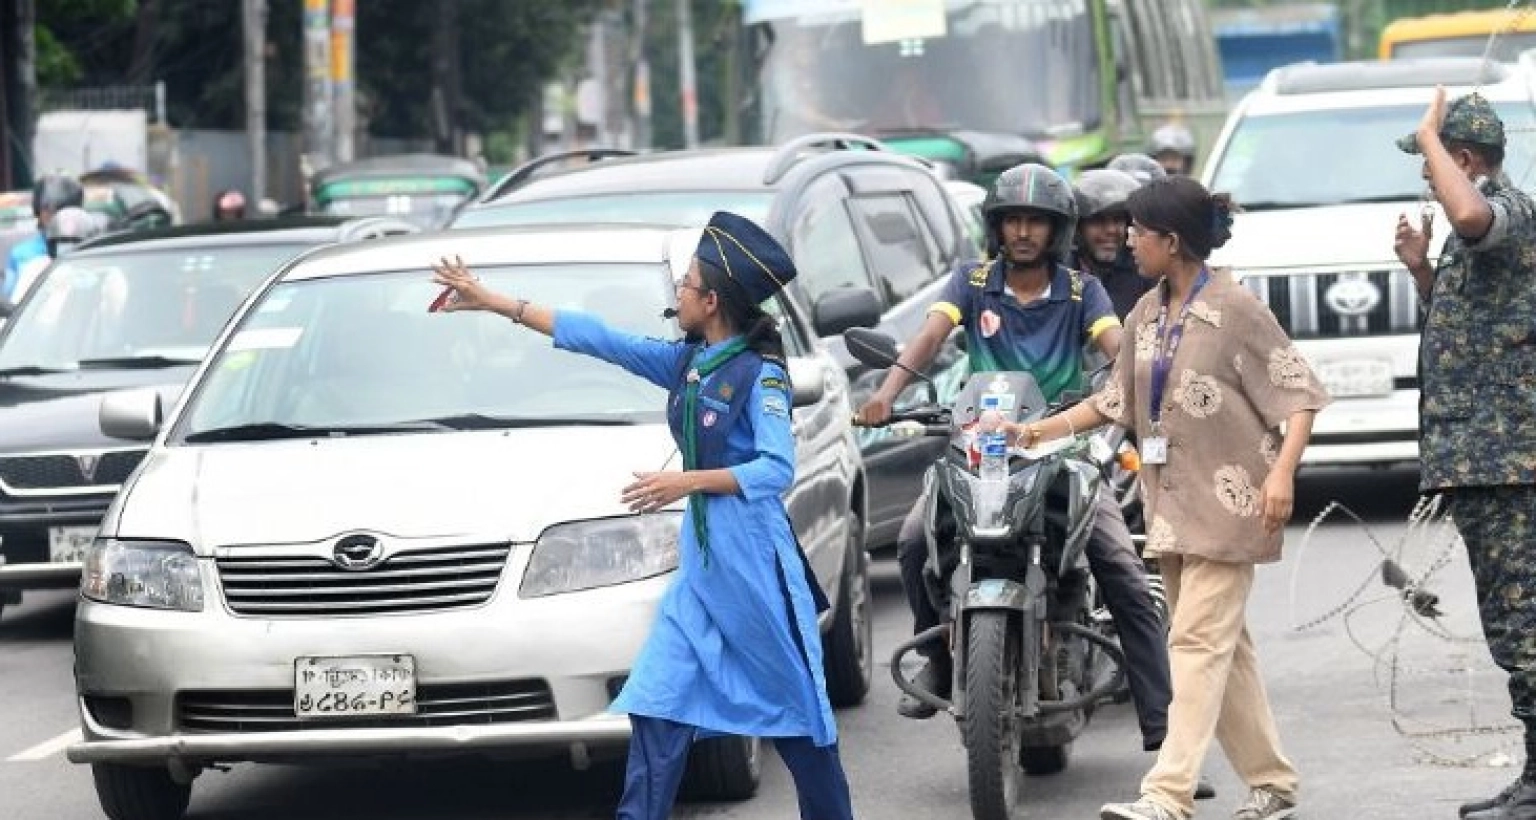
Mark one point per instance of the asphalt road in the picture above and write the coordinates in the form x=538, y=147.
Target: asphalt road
x=1384, y=718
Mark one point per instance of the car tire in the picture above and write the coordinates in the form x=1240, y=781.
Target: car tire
x=722, y=768
x=848, y=651
x=139, y=792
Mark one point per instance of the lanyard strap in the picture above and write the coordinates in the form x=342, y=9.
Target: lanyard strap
x=1168, y=339
x=696, y=375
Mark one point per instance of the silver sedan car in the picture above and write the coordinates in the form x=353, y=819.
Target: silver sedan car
x=367, y=530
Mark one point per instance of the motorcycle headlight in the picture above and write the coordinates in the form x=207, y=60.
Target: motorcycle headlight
x=604, y=552
x=153, y=574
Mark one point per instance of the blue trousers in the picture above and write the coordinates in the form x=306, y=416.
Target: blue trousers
x=658, y=755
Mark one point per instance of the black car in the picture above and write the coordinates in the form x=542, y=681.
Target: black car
x=130, y=310
x=855, y=217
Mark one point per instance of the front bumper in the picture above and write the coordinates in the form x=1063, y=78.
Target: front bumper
x=24, y=540
x=212, y=687
x=597, y=730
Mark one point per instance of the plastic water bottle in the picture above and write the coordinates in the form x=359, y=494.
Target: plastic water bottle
x=994, y=456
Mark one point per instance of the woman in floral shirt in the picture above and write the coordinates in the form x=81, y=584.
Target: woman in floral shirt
x=1206, y=386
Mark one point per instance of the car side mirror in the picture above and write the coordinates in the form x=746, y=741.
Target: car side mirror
x=843, y=308
x=808, y=377
x=135, y=415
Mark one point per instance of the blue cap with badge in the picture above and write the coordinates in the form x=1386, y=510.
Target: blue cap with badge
x=747, y=253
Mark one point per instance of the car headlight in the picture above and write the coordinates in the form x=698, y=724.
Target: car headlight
x=604, y=552
x=153, y=574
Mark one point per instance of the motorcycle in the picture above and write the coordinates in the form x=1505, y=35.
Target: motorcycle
x=1031, y=660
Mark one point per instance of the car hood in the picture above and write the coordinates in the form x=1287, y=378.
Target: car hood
x=62, y=410
x=508, y=484
x=1333, y=236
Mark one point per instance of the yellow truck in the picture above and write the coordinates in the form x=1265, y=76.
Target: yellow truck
x=1461, y=34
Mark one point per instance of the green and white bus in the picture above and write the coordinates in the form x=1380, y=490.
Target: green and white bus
x=979, y=85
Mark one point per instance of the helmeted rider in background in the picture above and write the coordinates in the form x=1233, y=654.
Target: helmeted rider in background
x=1102, y=225
x=1173, y=146
x=50, y=194
x=1142, y=167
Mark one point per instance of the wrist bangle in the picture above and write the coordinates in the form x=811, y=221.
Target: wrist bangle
x=517, y=315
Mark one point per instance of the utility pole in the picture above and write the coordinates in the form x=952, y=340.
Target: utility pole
x=642, y=92
x=343, y=60
x=254, y=22
x=318, y=107
x=686, y=74
x=18, y=48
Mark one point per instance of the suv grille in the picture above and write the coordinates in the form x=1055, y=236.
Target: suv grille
x=69, y=471
x=271, y=710
x=421, y=580
x=1302, y=303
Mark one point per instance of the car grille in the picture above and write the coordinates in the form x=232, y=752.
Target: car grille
x=419, y=580
x=271, y=710
x=1300, y=302
x=69, y=470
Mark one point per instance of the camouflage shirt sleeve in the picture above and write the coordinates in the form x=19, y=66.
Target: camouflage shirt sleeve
x=1513, y=216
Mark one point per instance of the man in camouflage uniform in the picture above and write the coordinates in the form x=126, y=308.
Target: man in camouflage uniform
x=1477, y=408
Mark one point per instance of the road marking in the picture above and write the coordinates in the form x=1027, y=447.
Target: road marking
x=47, y=748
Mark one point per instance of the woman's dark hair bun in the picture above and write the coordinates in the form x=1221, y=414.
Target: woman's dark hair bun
x=1222, y=208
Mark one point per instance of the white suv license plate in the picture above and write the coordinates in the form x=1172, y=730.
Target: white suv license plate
x=354, y=686
x=67, y=545
x=1356, y=378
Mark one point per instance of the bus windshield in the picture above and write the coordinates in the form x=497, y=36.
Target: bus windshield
x=1028, y=67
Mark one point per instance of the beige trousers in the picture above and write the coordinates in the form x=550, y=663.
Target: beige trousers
x=1217, y=691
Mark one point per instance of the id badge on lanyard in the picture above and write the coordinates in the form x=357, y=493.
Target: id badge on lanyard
x=1154, y=448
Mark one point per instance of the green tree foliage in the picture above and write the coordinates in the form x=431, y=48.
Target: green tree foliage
x=505, y=51
x=715, y=24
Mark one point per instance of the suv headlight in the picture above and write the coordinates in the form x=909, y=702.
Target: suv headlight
x=153, y=574
x=604, y=552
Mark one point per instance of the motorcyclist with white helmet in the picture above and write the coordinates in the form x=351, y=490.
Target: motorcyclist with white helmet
x=1173, y=146
x=1102, y=225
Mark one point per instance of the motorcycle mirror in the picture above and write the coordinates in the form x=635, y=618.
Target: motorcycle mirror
x=875, y=349
x=871, y=347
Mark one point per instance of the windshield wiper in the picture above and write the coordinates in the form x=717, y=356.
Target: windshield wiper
x=33, y=370
x=1277, y=206
x=1369, y=200
x=271, y=430
x=151, y=362
x=482, y=421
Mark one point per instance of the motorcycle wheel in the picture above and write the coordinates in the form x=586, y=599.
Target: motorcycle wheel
x=990, y=729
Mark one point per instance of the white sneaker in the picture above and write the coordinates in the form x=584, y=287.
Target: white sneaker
x=1265, y=804
x=1142, y=809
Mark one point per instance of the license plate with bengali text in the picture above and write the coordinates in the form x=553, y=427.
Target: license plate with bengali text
x=1356, y=378
x=68, y=544
x=354, y=686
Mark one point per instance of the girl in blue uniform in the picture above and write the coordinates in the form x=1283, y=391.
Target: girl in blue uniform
x=735, y=648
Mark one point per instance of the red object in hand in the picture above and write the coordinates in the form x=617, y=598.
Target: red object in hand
x=441, y=300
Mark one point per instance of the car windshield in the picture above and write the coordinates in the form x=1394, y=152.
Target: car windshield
x=1297, y=160
x=359, y=352
x=883, y=67
x=135, y=304
x=643, y=208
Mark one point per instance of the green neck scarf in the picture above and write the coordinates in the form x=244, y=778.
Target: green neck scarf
x=696, y=375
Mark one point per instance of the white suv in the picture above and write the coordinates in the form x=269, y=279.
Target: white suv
x=1310, y=157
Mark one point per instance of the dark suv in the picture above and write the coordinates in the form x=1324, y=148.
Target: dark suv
x=130, y=310
x=857, y=218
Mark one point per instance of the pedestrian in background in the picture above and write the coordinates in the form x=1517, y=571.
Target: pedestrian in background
x=1477, y=400
x=1206, y=385
x=735, y=649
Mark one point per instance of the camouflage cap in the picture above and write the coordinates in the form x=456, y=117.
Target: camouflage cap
x=1467, y=119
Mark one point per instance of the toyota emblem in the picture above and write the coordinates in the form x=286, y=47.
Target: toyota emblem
x=1352, y=297
x=357, y=552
